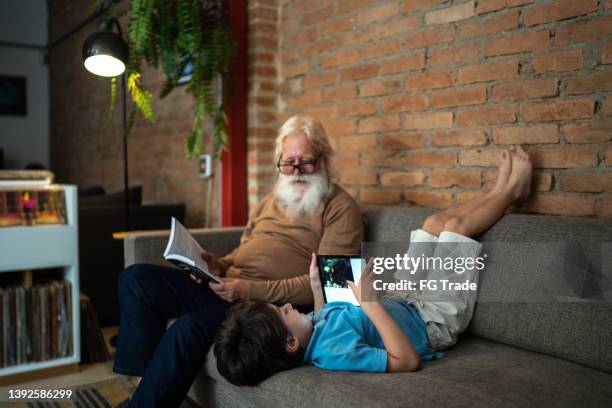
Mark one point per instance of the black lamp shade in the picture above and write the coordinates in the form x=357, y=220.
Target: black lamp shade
x=105, y=54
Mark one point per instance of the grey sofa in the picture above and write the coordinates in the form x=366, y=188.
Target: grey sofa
x=512, y=355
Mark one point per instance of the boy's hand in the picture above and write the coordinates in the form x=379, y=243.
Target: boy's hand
x=315, y=278
x=365, y=285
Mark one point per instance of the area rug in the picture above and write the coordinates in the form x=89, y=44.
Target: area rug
x=105, y=394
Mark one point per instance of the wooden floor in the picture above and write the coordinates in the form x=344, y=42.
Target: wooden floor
x=89, y=373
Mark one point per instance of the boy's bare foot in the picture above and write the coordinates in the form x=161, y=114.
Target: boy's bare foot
x=503, y=170
x=520, y=176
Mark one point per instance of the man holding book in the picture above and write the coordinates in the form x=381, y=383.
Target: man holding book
x=305, y=213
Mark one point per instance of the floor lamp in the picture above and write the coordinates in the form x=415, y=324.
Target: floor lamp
x=105, y=54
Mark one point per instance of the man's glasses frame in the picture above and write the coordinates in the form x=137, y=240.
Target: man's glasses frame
x=305, y=167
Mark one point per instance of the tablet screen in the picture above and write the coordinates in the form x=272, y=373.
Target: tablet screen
x=335, y=270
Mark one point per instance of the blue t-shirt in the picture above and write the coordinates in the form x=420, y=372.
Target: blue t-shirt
x=344, y=339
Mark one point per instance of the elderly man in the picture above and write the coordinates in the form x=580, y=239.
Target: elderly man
x=305, y=213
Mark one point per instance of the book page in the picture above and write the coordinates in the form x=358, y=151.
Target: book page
x=183, y=244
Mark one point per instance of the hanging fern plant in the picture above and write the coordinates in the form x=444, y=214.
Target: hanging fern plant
x=173, y=34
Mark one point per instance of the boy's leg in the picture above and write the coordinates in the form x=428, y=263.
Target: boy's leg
x=148, y=296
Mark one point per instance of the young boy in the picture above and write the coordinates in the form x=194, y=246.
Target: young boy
x=259, y=339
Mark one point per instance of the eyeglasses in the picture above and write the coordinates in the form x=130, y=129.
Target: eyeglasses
x=305, y=167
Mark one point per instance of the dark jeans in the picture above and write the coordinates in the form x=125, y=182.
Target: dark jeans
x=167, y=360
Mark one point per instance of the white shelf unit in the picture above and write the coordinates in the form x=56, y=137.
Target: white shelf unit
x=47, y=246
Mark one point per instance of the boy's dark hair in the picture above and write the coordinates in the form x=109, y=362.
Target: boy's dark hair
x=250, y=345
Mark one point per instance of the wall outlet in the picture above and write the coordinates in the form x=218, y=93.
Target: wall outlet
x=205, y=165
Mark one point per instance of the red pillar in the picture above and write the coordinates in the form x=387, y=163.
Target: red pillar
x=234, y=163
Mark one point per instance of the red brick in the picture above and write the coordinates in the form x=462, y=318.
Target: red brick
x=399, y=26
x=381, y=49
x=447, y=179
x=563, y=158
x=318, y=48
x=429, y=199
x=609, y=156
x=339, y=127
x=486, y=116
x=322, y=112
x=587, y=182
x=478, y=157
x=428, y=81
x=597, y=132
x=316, y=80
x=404, y=142
x=557, y=61
x=497, y=23
x=317, y=16
x=336, y=26
x=558, y=10
x=384, y=124
x=435, y=120
x=489, y=71
x=355, y=37
x=525, y=89
x=412, y=5
x=541, y=181
x=450, y=14
x=606, y=53
x=584, y=31
x=379, y=158
x=455, y=54
x=565, y=204
x=339, y=93
x=430, y=160
x=355, y=108
x=403, y=179
x=459, y=138
x=380, y=197
x=346, y=6
x=518, y=43
x=485, y=6
x=526, y=134
x=608, y=4
x=595, y=82
x=288, y=55
x=402, y=64
x=303, y=37
x=361, y=177
x=424, y=39
x=376, y=87
x=358, y=142
x=340, y=58
x=307, y=98
x=358, y=72
x=607, y=106
x=410, y=103
x=559, y=110
x=291, y=70
x=377, y=14
x=459, y=97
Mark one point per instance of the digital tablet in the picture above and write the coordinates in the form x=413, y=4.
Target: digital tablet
x=335, y=270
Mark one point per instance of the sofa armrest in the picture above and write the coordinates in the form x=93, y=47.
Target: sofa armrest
x=149, y=246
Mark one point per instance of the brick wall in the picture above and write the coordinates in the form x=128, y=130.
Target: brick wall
x=86, y=148
x=418, y=95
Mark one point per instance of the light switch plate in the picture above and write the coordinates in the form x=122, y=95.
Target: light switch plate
x=205, y=165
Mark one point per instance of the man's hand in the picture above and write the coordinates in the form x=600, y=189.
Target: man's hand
x=213, y=265
x=231, y=289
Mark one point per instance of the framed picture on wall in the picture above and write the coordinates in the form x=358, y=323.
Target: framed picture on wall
x=13, y=95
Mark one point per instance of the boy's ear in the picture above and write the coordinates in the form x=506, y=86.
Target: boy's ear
x=292, y=345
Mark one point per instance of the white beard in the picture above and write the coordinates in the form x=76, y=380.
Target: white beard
x=302, y=199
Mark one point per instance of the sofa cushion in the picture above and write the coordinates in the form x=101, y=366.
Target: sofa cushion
x=562, y=322
x=476, y=373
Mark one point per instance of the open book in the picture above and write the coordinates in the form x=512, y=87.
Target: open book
x=185, y=252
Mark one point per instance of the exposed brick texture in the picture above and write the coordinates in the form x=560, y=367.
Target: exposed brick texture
x=417, y=96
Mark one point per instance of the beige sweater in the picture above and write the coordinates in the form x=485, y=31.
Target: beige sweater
x=275, y=250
